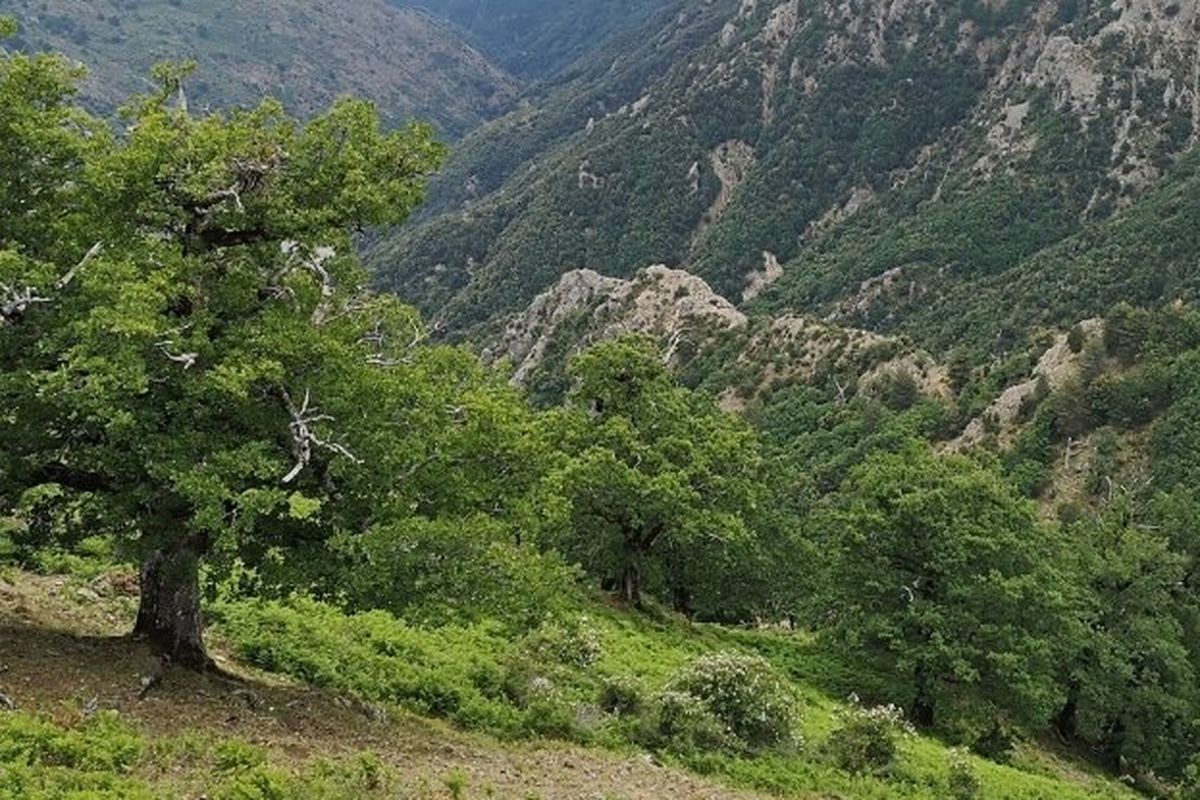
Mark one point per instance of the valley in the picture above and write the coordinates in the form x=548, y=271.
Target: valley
x=599, y=399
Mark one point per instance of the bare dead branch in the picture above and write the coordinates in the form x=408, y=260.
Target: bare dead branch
x=65, y=280
x=314, y=262
x=380, y=342
x=304, y=439
x=16, y=301
x=188, y=360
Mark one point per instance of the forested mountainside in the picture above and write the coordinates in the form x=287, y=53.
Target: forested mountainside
x=892, y=166
x=535, y=39
x=413, y=65
x=830, y=429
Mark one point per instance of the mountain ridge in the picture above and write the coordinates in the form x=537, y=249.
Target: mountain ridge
x=1036, y=117
x=410, y=63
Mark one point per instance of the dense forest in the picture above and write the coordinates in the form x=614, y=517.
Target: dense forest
x=827, y=590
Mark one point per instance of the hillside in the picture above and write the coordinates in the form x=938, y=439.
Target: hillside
x=411, y=64
x=704, y=337
x=87, y=710
x=809, y=405
x=534, y=39
x=891, y=159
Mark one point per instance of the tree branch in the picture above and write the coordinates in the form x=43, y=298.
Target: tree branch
x=303, y=437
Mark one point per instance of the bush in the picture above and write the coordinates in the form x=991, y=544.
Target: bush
x=682, y=723
x=1076, y=339
x=867, y=740
x=575, y=643
x=743, y=692
x=620, y=696
x=42, y=761
x=963, y=781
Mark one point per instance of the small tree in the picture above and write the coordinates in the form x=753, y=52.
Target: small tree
x=187, y=355
x=649, y=464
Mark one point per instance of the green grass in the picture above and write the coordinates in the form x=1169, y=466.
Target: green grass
x=105, y=758
x=477, y=678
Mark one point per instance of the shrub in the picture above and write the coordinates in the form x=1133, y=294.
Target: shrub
x=234, y=755
x=682, y=723
x=744, y=694
x=996, y=744
x=1076, y=339
x=867, y=738
x=574, y=643
x=620, y=696
x=963, y=781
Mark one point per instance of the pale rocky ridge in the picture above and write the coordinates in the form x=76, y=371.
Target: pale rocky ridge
x=685, y=315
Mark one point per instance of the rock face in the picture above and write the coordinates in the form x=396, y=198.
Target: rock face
x=586, y=307
x=690, y=320
x=1058, y=365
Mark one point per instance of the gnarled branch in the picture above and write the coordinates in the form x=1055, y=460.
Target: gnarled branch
x=304, y=439
x=14, y=301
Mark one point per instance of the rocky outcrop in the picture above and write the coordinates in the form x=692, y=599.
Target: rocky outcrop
x=689, y=319
x=586, y=307
x=1057, y=366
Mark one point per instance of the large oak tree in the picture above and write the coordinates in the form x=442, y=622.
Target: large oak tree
x=188, y=358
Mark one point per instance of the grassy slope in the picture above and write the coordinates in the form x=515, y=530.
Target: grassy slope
x=304, y=53
x=220, y=734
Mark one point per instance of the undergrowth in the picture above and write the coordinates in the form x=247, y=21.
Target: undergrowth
x=635, y=682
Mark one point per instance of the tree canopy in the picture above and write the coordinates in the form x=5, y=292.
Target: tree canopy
x=189, y=355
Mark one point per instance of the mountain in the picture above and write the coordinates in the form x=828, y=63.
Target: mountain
x=900, y=166
x=535, y=39
x=410, y=63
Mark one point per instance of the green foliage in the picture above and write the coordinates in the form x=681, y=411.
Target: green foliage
x=925, y=547
x=42, y=761
x=866, y=739
x=105, y=759
x=963, y=781
x=448, y=672
x=621, y=696
x=754, y=706
x=650, y=469
x=683, y=723
x=1131, y=676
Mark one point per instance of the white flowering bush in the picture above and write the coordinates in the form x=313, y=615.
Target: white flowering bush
x=574, y=643
x=682, y=723
x=963, y=781
x=867, y=739
x=744, y=694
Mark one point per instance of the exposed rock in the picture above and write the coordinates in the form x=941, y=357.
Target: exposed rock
x=1056, y=367
x=732, y=162
x=676, y=307
x=757, y=282
x=664, y=302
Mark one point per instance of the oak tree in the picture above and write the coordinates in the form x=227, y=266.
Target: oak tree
x=188, y=356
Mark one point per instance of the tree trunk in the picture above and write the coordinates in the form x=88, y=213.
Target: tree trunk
x=1066, y=720
x=682, y=600
x=631, y=585
x=169, y=612
x=923, y=708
